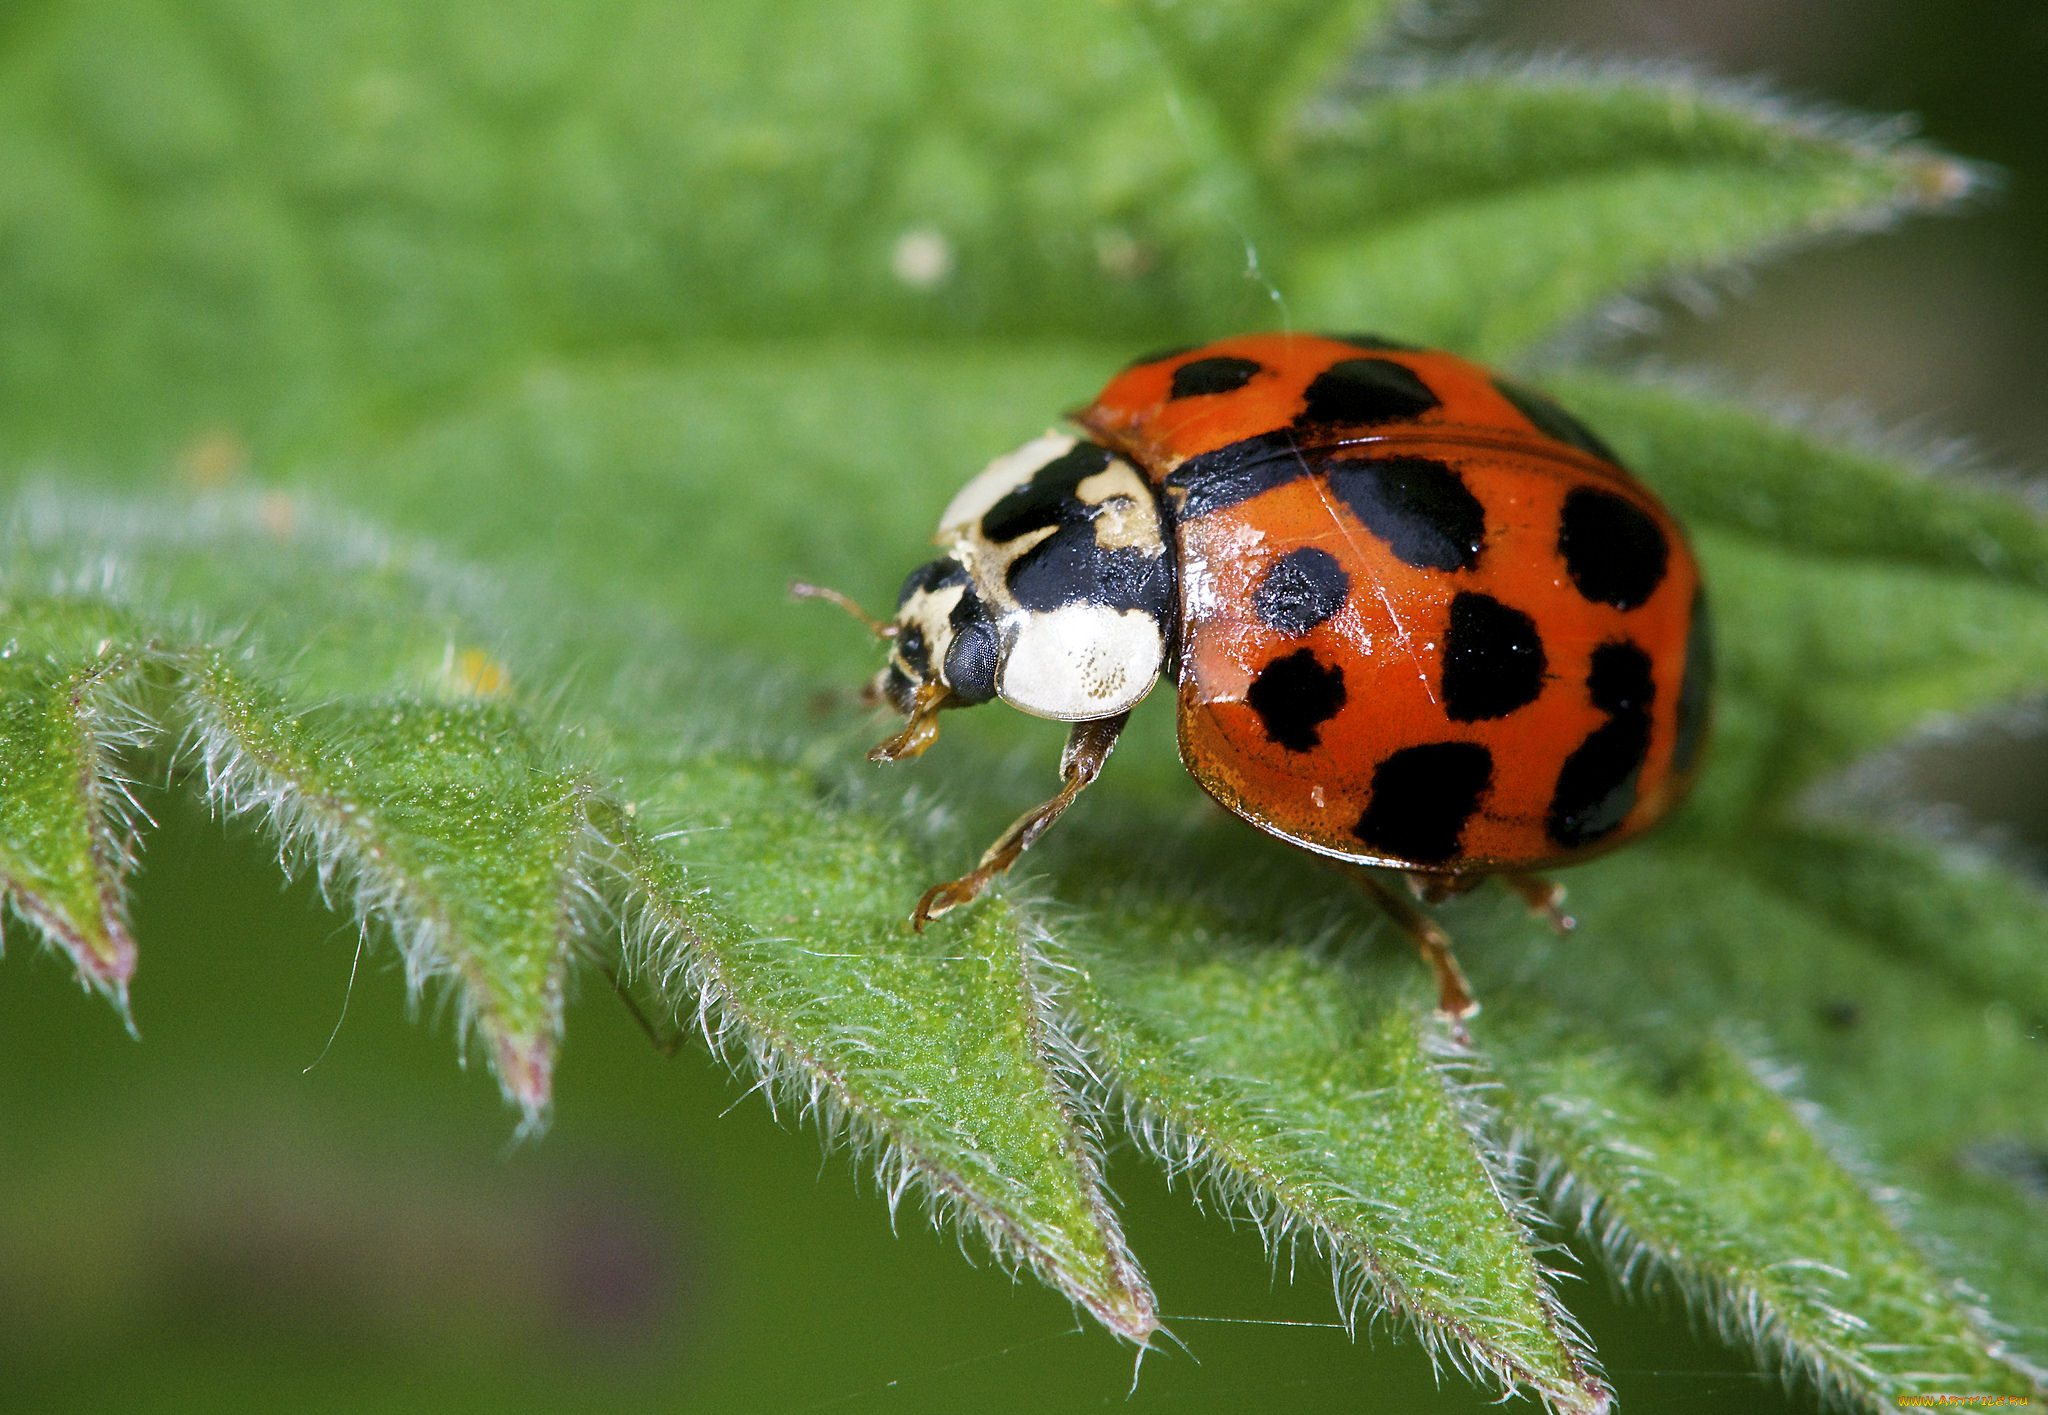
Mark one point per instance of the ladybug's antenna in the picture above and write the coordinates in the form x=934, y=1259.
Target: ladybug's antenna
x=800, y=590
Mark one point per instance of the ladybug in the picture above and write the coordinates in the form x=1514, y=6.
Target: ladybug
x=1419, y=616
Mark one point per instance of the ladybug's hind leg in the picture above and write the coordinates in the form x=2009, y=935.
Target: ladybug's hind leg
x=1088, y=747
x=1453, y=994
x=1545, y=899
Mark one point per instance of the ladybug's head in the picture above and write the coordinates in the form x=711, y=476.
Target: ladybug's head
x=943, y=651
x=1057, y=595
x=944, y=635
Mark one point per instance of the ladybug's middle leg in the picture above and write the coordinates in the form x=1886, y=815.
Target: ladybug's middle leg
x=1453, y=994
x=1088, y=747
x=1435, y=886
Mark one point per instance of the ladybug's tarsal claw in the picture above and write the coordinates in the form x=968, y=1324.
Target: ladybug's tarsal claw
x=945, y=898
x=1088, y=747
x=1545, y=899
x=912, y=741
x=919, y=733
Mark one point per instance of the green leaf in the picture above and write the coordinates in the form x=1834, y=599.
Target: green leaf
x=443, y=822
x=68, y=726
x=1259, y=64
x=1703, y=1174
x=935, y=1054
x=1598, y=1041
x=1308, y=1092
x=432, y=804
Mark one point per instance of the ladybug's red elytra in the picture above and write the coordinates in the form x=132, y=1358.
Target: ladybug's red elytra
x=1419, y=616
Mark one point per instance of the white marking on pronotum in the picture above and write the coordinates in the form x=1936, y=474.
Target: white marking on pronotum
x=996, y=481
x=1127, y=518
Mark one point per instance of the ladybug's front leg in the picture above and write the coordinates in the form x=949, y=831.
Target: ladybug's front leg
x=1088, y=747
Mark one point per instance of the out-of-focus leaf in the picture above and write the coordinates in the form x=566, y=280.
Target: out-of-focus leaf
x=1482, y=209
x=1259, y=64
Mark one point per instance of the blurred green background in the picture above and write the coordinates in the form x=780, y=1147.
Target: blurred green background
x=226, y=1217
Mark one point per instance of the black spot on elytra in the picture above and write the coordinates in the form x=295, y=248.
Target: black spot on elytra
x=1294, y=696
x=1068, y=567
x=1421, y=799
x=1596, y=789
x=1221, y=374
x=1364, y=391
x=932, y=576
x=1420, y=507
x=1619, y=681
x=1375, y=343
x=1695, y=688
x=1493, y=659
x=1043, y=501
x=1301, y=590
x=1614, y=551
x=1553, y=421
x=971, y=656
x=1220, y=479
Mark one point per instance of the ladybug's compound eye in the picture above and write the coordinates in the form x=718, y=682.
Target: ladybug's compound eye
x=975, y=651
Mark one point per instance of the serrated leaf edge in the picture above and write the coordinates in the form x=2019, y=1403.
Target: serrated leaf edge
x=1358, y=1275
x=113, y=729
x=324, y=838
x=665, y=946
x=1931, y=180
x=1397, y=70
x=1740, y=1313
